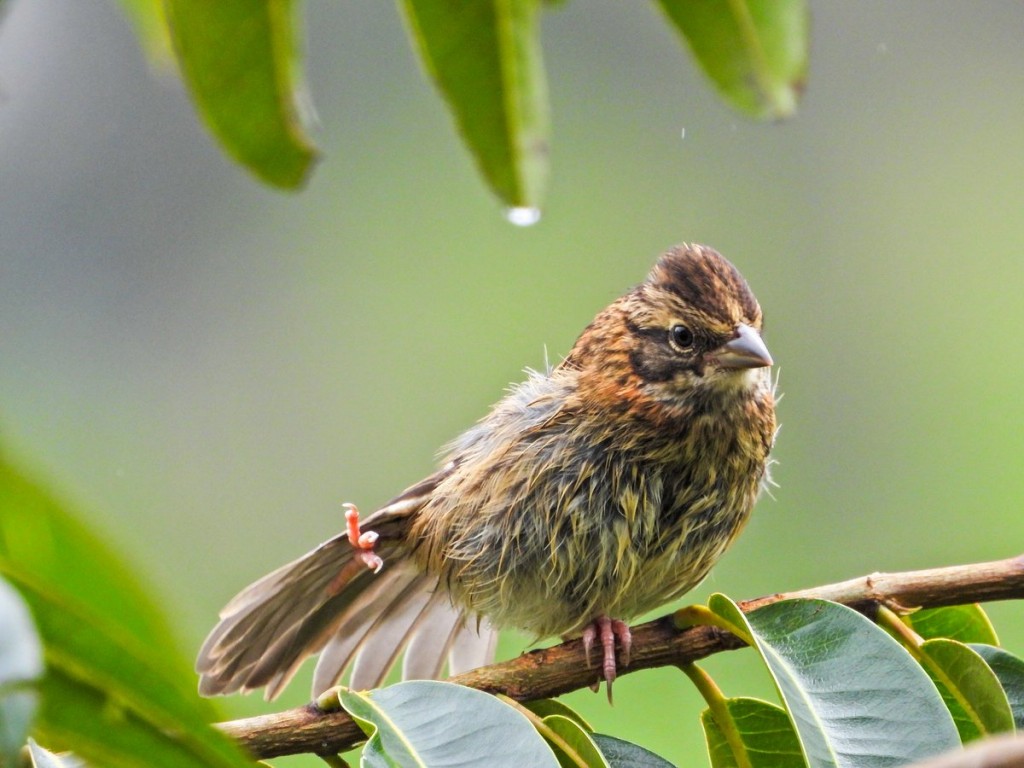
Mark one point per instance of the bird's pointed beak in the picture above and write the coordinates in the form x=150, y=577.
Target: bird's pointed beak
x=745, y=350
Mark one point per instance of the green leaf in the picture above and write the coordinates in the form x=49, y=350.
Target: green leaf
x=584, y=750
x=625, y=754
x=38, y=536
x=428, y=723
x=1010, y=671
x=96, y=726
x=855, y=696
x=21, y=666
x=755, y=51
x=766, y=736
x=969, y=687
x=374, y=757
x=966, y=623
x=150, y=21
x=485, y=58
x=546, y=707
x=238, y=58
x=108, y=699
x=114, y=691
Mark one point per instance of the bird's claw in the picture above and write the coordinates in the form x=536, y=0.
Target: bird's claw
x=363, y=541
x=608, y=630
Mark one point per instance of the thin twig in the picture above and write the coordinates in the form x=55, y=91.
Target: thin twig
x=553, y=671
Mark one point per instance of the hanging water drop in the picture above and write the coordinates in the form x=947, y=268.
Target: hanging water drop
x=523, y=216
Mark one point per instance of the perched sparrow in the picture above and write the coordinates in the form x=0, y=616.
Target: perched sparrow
x=590, y=494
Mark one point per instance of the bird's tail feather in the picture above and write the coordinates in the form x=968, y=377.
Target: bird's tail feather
x=329, y=601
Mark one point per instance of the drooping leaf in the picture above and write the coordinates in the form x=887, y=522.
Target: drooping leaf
x=150, y=21
x=1010, y=671
x=855, y=696
x=21, y=666
x=428, y=723
x=485, y=58
x=765, y=734
x=966, y=623
x=969, y=687
x=239, y=60
x=754, y=51
x=625, y=754
x=581, y=744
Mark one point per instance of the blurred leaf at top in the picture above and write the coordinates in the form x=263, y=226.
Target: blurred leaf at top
x=239, y=60
x=755, y=51
x=116, y=689
x=485, y=58
x=150, y=20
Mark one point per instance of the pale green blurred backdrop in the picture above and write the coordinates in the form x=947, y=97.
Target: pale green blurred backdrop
x=209, y=368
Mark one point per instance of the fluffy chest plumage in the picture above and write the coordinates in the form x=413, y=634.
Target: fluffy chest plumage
x=552, y=519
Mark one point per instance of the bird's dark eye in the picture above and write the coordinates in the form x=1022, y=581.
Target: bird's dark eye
x=682, y=336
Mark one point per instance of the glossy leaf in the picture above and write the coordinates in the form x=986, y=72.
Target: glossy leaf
x=970, y=688
x=485, y=58
x=966, y=623
x=238, y=58
x=1009, y=669
x=625, y=754
x=546, y=707
x=579, y=741
x=765, y=735
x=374, y=757
x=754, y=51
x=855, y=696
x=21, y=665
x=428, y=723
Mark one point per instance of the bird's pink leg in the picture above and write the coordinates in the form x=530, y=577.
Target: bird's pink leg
x=363, y=541
x=607, y=630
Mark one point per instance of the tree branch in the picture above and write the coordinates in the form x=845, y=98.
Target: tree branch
x=553, y=671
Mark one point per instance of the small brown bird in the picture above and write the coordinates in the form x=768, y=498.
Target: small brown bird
x=590, y=494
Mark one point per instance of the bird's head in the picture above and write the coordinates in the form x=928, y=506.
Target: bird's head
x=691, y=330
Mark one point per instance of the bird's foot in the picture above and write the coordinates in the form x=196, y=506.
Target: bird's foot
x=363, y=541
x=607, y=630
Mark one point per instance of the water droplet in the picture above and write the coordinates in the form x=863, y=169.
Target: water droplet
x=682, y=133
x=882, y=49
x=523, y=216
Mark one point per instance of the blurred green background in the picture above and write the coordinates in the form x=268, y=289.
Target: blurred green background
x=209, y=368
